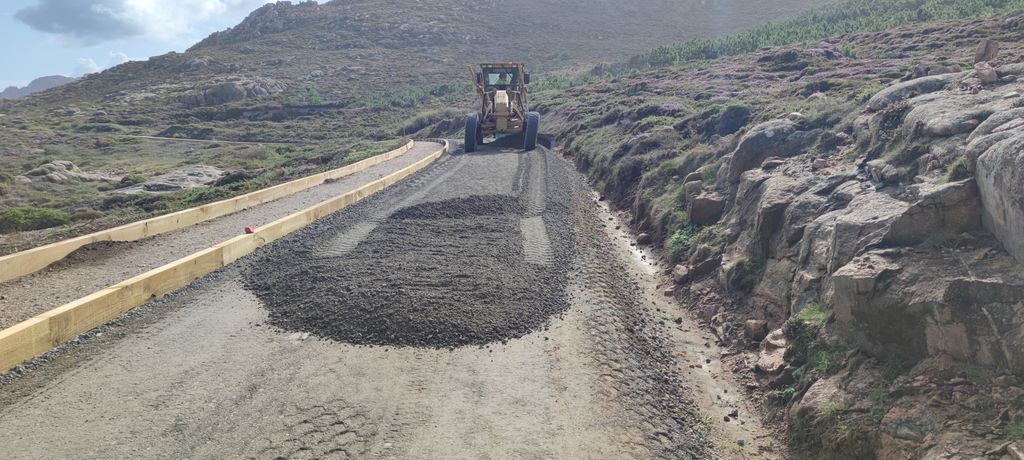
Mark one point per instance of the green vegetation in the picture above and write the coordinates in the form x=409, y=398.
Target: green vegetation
x=826, y=358
x=748, y=273
x=828, y=21
x=980, y=375
x=814, y=314
x=679, y=243
x=714, y=236
x=892, y=369
x=1015, y=431
x=28, y=218
x=309, y=95
x=957, y=171
x=831, y=410
x=803, y=432
x=704, y=422
x=427, y=118
x=417, y=96
x=802, y=332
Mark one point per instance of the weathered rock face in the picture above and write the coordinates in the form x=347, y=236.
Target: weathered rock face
x=1000, y=172
x=949, y=209
x=775, y=138
x=941, y=129
x=884, y=243
x=967, y=304
x=235, y=90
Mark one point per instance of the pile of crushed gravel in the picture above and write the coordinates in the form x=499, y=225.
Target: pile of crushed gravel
x=435, y=274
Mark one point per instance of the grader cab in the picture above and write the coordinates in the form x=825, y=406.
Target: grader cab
x=503, y=106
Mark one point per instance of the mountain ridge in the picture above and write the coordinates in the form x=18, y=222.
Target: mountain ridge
x=37, y=85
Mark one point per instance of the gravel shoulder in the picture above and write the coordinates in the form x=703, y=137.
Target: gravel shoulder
x=103, y=264
x=208, y=372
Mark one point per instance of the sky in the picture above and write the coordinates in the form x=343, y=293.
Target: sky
x=77, y=37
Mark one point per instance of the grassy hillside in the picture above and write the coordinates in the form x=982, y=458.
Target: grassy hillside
x=845, y=18
x=639, y=132
x=311, y=86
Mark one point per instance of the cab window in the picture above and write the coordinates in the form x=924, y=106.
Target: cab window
x=493, y=77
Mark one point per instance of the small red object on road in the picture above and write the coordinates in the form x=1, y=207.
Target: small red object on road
x=250, y=230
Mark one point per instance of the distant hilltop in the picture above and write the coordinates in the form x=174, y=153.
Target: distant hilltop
x=37, y=85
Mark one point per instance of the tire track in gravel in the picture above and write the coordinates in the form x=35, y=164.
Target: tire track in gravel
x=347, y=240
x=536, y=245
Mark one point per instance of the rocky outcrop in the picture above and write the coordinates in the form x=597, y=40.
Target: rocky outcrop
x=910, y=305
x=947, y=209
x=269, y=19
x=1000, y=172
x=235, y=89
x=61, y=171
x=706, y=208
x=947, y=133
x=906, y=90
x=181, y=179
x=776, y=138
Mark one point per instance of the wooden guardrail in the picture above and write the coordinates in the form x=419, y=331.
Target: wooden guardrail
x=32, y=260
x=42, y=333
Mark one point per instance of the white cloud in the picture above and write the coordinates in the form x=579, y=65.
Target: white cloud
x=117, y=58
x=96, y=21
x=85, y=66
x=167, y=20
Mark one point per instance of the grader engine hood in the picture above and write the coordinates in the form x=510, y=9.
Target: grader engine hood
x=502, y=104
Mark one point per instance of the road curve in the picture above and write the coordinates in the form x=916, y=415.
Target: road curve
x=101, y=265
x=475, y=310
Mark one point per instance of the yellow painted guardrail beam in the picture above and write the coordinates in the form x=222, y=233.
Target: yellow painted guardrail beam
x=42, y=333
x=32, y=260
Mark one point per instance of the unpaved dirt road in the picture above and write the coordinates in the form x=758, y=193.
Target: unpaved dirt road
x=97, y=266
x=479, y=309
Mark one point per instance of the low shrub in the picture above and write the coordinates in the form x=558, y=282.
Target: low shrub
x=19, y=219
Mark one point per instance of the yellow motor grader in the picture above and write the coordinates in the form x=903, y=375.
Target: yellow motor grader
x=503, y=105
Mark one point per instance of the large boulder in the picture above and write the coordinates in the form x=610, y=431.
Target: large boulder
x=60, y=171
x=1000, y=177
x=775, y=138
x=987, y=51
x=236, y=89
x=706, y=208
x=909, y=89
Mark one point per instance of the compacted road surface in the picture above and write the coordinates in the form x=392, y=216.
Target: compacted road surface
x=475, y=310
